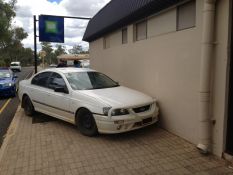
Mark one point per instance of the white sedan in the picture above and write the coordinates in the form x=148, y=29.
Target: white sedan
x=88, y=99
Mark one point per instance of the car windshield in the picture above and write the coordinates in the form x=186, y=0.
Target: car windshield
x=5, y=74
x=89, y=80
x=14, y=64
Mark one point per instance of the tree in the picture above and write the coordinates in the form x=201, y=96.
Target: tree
x=47, y=47
x=58, y=51
x=26, y=56
x=14, y=46
x=77, y=49
x=11, y=48
x=2, y=63
x=19, y=34
x=7, y=13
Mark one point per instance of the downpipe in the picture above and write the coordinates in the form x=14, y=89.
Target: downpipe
x=207, y=49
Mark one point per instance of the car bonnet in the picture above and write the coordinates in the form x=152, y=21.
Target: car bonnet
x=6, y=80
x=119, y=96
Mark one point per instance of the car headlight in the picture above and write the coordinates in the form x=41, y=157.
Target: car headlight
x=119, y=112
x=8, y=84
x=106, y=110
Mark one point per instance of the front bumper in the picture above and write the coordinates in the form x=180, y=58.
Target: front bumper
x=7, y=91
x=119, y=124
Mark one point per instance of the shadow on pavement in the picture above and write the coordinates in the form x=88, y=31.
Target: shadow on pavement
x=42, y=118
x=131, y=135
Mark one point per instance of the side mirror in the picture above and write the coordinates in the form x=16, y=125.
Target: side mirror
x=61, y=89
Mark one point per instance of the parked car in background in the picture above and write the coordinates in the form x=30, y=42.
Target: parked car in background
x=53, y=65
x=85, y=63
x=74, y=63
x=88, y=99
x=15, y=66
x=7, y=82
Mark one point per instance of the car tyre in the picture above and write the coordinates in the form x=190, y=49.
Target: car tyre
x=28, y=106
x=86, y=123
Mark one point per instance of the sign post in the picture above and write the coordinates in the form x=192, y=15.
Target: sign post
x=51, y=29
x=35, y=45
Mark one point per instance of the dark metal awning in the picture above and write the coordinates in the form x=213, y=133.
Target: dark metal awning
x=119, y=13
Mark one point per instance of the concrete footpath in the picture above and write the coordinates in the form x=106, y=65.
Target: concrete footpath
x=56, y=147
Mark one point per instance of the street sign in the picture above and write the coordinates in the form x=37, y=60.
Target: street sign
x=51, y=29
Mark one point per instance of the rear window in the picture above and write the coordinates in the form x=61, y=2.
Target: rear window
x=15, y=64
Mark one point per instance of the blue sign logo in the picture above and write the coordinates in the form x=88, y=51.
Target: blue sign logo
x=51, y=29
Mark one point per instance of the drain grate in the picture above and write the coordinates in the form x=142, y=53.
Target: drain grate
x=42, y=118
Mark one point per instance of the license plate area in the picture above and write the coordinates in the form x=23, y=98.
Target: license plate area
x=147, y=120
x=143, y=122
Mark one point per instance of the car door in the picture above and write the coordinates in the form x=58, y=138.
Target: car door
x=59, y=102
x=38, y=91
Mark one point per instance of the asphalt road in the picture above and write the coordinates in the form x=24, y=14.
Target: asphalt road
x=8, y=106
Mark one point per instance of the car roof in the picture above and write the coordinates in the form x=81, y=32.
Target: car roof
x=69, y=70
x=15, y=62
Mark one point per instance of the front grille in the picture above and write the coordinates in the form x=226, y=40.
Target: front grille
x=141, y=109
x=147, y=120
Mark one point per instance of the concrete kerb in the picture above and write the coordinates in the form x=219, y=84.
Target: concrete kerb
x=10, y=133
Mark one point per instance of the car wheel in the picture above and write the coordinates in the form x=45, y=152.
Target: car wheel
x=28, y=106
x=86, y=123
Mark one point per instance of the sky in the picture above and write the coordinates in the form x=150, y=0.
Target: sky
x=74, y=29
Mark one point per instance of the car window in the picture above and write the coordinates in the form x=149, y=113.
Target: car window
x=41, y=79
x=89, y=80
x=56, y=80
x=5, y=74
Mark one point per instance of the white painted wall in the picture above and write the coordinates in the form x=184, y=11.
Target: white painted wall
x=167, y=66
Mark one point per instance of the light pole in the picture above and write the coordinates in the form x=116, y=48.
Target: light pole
x=35, y=46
